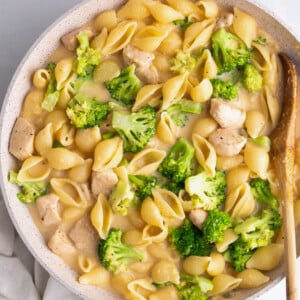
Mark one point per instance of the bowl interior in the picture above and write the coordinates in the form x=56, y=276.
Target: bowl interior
x=20, y=84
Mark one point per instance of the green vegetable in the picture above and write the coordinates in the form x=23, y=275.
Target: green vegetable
x=252, y=79
x=176, y=166
x=223, y=89
x=188, y=240
x=260, y=40
x=30, y=190
x=174, y=187
x=142, y=185
x=115, y=255
x=257, y=231
x=52, y=94
x=87, y=57
x=124, y=87
x=229, y=51
x=122, y=198
x=182, y=62
x=135, y=129
x=180, y=110
x=85, y=112
x=192, y=287
x=263, y=141
x=183, y=23
x=206, y=191
x=215, y=224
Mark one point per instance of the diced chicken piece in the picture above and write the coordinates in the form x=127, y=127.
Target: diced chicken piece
x=84, y=235
x=103, y=182
x=227, y=142
x=60, y=244
x=197, y=217
x=227, y=114
x=48, y=209
x=69, y=40
x=21, y=143
x=145, y=69
x=225, y=20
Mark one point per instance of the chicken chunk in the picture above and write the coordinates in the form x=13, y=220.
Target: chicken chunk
x=225, y=20
x=103, y=182
x=227, y=142
x=60, y=244
x=145, y=69
x=84, y=235
x=48, y=209
x=197, y=217
x=227, y=114
x=21, y=143
x=69, y=40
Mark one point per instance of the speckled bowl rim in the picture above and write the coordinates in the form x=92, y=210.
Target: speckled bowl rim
x=19, y=86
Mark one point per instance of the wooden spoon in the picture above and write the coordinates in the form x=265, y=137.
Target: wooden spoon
x=283, y=154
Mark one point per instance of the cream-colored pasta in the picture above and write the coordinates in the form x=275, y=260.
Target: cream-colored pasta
x=87, y=139
x=224, y=283
x=169, y=205
x=208, y=66
x=81, y=173
x=86, y=263
x=149, y=94
x=58, y=118
x=228, y=162
x=163, y=13
x=196, y=265
x=165, y=271
x=41, y=78
x=71, y=193
x=229, y=237
x=205, y=154
x=140, y=289
x=185, y=200
x=262, y=57
x=65, y=135
x=209, y=7
x=134, y=9
x=98, y=42
x=63, y=159
x=134, y=217
x=216, y=265
x=134, y=238
x=266, y=258
x=108, y=154
x=106, y=70
x=63, y=71
x=71, y=214
x=244, y=26
x=257, y=159
x=43, y=140
x=239, y=202
x=161, y=251
x=141, y=267
x=168, y=292
x=171, y=44
x=255, y=123
x=252, y=278
x=186, y=7
x=34, y=168
x=236, y=176
x=119, y=37
x=120, y=283
x=67, y=92
x=205, y=126
x=174, y=89
x=146, y=161
x=98, y=276
x=198, y=35
x=202, y=91
x=107, y=19
x=166, y=129
x=101, y=216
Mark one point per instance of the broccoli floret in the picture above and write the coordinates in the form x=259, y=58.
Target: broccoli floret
x=263, y=141
x=257, y=231
x=188, y=240
x=30, y=190
x=115, y=255
x=85, y=112
x=183, y=23
x=52, y=94
x=122, y=198
x=182, y=62
x=229, y=51
x=261, y=191
x=252, y=79
x=135, y=129
x=143, y=185
x=179, y=111
x=206, y=191
x=193, y=287
x=124, y=87
x=176, y=166
x=174, y=187
x=223, y=89
x=215, y=224
x=239, y=254
x=87, y=57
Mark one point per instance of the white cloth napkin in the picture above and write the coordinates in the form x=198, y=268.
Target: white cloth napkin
x=22, y=277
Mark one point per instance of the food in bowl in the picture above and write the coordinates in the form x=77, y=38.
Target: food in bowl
x=144, y=151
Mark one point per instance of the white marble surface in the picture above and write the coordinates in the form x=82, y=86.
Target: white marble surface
x=22, y=21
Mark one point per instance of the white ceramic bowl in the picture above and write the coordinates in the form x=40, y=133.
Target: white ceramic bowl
x=19, y=86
